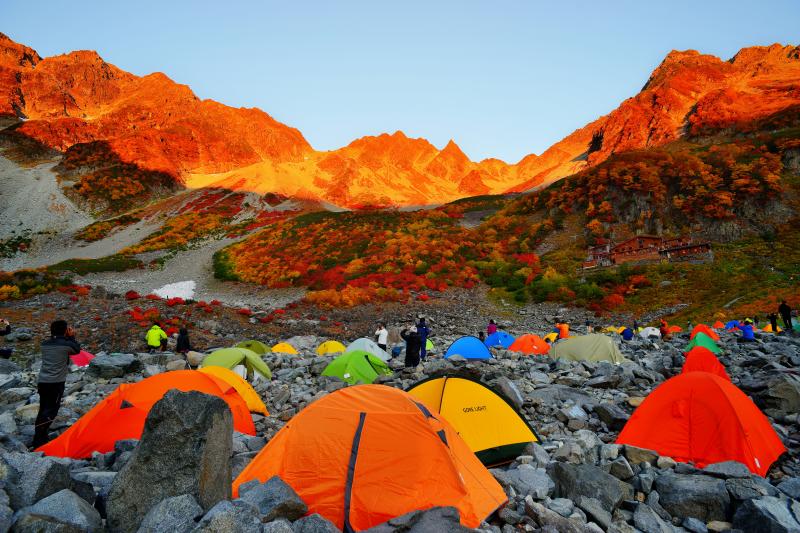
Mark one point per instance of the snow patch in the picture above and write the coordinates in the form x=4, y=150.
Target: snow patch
x=181, y=289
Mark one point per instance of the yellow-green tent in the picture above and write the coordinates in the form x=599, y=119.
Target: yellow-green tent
x=594, y=347
x=254, y=346
x=487, y=422
x=330, y=347
x=245, y=390
x=231, y=357
x=284, y=347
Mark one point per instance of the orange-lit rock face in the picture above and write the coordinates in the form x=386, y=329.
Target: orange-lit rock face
x=688, y=93
x=160, y=125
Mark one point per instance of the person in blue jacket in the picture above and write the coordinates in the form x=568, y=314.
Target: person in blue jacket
x=627, y=334
x=747, y=332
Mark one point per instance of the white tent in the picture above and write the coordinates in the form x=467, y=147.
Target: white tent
x=650, y=332
x=368, y=346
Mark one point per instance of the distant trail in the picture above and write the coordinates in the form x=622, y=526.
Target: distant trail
x=196, y=264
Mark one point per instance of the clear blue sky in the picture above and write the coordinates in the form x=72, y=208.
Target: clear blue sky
x=502, y=78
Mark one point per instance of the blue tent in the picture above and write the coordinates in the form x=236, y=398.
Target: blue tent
x=499, y=338
x=732, y=324
x=468, y=348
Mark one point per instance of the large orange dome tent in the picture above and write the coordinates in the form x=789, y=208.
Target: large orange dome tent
x=368, y=453
x=701, y=418
x=700, y=359
x=121, y=415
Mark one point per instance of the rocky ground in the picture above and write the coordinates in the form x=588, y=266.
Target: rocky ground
x=576, y=479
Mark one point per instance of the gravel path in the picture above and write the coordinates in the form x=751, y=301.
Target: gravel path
x=196, y=264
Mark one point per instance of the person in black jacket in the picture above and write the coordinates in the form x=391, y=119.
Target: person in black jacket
x=413, y=345
x=786, y=314
x=183, y=345
x=52, y=377
x=5, y=353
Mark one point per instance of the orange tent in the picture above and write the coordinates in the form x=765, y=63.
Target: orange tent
x=368, y=453
x=700, y=359
x=701, y=418
x=719, y=325
x=530, y=344
x=768, y=329
x=122, y=414
x=704, y=329
x=675, y=329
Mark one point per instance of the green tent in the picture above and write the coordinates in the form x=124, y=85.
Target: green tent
x=594, y=347
x=429, y=347
x=254, y=346
x=701, y=339
x=230, y=357
x=357, y=366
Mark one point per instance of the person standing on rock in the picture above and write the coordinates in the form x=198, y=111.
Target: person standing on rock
x=382, y=335
x=424, y=331
x=183, y=345
x=156, y=338
x=589, y=328
x=663, y=328
x=773, y=321
x=492, y=327
x=786, y=314
x=52, y=377
x=413, y=345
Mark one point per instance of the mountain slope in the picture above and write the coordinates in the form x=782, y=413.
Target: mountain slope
x=79, y=103
x=689, y=94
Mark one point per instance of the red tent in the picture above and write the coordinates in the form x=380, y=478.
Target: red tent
x=700, y=418
x=704, y=329
x=719, y=325
x=700, y=359
x=81, y=358
x=675, y=329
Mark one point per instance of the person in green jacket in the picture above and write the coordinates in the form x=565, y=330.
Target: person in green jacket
x=156, y=338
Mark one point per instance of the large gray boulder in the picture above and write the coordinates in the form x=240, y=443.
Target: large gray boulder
x=645, y=519
x=176, y=515
x=6, y=514
x=62, y=511
x=113, y=366
x=573, y=481
x=525, y=480
x=314, y=523
x=229, y=517
x=768, y=514
x=783, y=396
x=435, y=519
x=35, y=478
x=185, y=449
x=702, y=497
x=275, y=499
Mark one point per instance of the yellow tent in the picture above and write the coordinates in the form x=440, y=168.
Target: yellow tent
x=245, y=390
x=330, y=347
x=610, y=329
x=621, y=329
x=551, y=337
x=595, y=347
x=487, y=422
x=284, y=347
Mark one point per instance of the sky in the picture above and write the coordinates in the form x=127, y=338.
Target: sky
x=502, y=78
